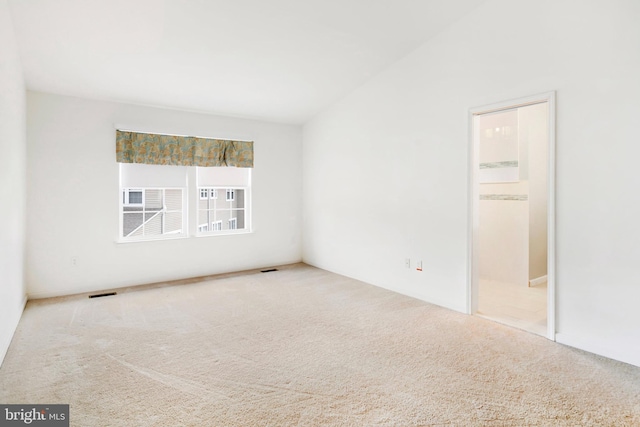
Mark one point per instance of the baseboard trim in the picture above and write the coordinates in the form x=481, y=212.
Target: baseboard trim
x=589, y=345
x=13, y=325
x=83, y=292
x=538, y=281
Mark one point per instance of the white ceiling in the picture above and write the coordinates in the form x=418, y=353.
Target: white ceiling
x=278, y=60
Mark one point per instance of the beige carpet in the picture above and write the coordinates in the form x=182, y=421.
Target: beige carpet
x=301, y=347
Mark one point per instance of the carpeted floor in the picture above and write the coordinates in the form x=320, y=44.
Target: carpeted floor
x=301, y=347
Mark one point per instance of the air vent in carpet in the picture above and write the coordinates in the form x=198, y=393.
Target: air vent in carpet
x=106, y=294
x=269, y=270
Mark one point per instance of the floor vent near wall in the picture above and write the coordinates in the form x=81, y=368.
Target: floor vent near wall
x=268, y=270
x=106, y=294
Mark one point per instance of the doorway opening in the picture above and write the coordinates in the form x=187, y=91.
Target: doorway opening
x=512, y=211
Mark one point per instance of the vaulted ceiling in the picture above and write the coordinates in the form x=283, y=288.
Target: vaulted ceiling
x=277, y=60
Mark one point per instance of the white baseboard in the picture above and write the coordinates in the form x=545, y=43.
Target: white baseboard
x=631, y=356
x=13, y=325
x=538, y=281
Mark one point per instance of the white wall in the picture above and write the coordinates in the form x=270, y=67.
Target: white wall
x=73, y=198
x=12, y=182
x=535, y=135
x=503, y=232
x=406, y=133
x=513, y=234
x=503, y=238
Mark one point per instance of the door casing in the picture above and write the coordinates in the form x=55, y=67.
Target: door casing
x=473, y=192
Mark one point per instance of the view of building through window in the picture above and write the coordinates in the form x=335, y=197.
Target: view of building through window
x=159, y=214
x=221, y=214
x=155, y=200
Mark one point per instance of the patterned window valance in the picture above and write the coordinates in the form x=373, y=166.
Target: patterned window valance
x=153, y=149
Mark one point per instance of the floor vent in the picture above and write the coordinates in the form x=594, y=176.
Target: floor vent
x=106, y=294
x=269, y=270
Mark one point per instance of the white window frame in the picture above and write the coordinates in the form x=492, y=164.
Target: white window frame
x=181, y=233
x=193, y=225
x=214, y=218
x=126, y=192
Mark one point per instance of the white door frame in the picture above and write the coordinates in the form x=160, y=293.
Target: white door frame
x=473, y=220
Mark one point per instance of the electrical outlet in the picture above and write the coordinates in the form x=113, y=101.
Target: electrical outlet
x=74, y=261
x=407, y=263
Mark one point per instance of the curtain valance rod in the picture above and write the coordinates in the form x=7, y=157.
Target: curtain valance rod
x=182, y=136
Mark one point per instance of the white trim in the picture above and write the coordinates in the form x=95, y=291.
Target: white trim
x=514, y=103
x=12, y=326
x=164, y=237
x=473, y=193
x=551, y=218
x=538, y=281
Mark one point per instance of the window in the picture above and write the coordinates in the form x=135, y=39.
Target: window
x=155, y=200
x=131, y=196
x=159, y=215
x=224, y=214
x=229, y=214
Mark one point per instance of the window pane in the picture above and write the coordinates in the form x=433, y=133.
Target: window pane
x=136, y=233
x=239, y=215
x=152, y=199
x=130, y=222
x=173, y=199
x=153, y=225
x=224, y=216
x=204, y=216
x=239, y=201
x=135, y=197
x=172, y=222
x=160, y=214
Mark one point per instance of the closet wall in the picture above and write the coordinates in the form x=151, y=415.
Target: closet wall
x=513, y=195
